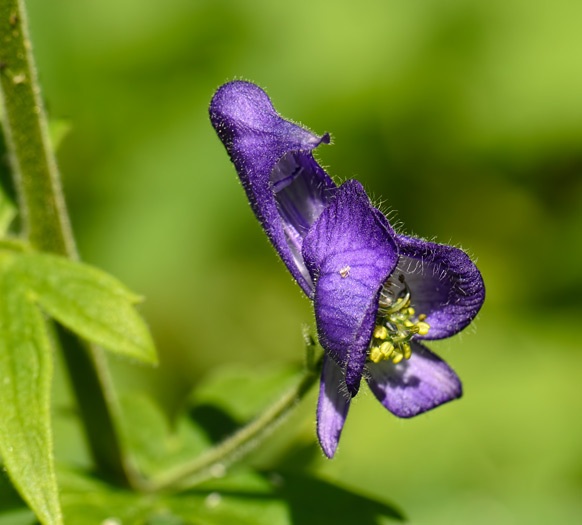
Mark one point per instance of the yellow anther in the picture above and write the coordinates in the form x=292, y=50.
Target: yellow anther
x=411, y=311
x=408, y=324
x=397, y=357
x=380, y=332
x=422, y=317
x=423, y=328
x=375, y=354
x=407, y=350
x=386, y=348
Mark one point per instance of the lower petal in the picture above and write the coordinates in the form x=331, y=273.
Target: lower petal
x=332, y=408
x=416, y=385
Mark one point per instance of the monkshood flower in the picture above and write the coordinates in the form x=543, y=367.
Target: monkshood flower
x=377, y=294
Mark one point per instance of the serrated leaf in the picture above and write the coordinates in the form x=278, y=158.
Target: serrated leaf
x=25, y=385
x=88, y=301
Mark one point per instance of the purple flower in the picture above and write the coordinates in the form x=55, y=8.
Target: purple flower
x=377, y=294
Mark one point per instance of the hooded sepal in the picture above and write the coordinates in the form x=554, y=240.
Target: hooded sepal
x=285, y=186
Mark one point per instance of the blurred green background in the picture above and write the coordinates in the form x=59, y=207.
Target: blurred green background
x=463, y=118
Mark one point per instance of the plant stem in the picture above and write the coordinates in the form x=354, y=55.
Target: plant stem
x=215, y=461
x=42, y=206
x=46, y=224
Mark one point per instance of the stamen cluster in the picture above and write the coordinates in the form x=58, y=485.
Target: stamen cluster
x=395, y=325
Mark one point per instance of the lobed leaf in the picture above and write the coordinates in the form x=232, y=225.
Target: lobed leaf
x=88, y=301
x=26, y=370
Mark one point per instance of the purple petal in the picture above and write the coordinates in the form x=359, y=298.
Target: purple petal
x=332, y=407
x=286, y=188
x=349, y=252
x=444, y=283
x=416, y=385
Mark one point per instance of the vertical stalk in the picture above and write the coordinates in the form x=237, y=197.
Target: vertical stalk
x=42, y=206
x=46, y=224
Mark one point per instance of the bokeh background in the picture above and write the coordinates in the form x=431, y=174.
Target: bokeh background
x=463, y=118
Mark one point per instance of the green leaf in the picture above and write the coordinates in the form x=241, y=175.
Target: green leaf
x=26, y=370
x=87, y=501
x=156, y=445
x=243, y=497
x=242, y=391
x=312, y=501
x=87, y=301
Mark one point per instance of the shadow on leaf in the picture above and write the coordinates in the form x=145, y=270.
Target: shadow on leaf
x=309, y=500
x=313, y=501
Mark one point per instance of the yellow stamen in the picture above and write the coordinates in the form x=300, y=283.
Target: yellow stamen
x=397, y=324
x=380, y=332
x=423, y=328
x=397, y=357
x=375, y=354
x=386, y=348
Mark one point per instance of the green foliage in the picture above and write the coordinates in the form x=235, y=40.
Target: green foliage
x=228, y=389
x=242, y=497
x=87, y=501
x=87, y=301
x=25, y=383
x=157, y=445
x=216, y=409
x=289, y=495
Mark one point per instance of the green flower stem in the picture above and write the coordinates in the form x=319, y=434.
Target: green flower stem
x=215, y=461
x=45, y=223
